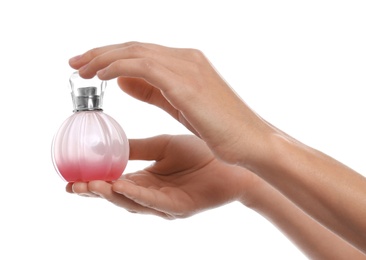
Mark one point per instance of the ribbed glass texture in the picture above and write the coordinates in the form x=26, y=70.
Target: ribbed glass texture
x=90, y=145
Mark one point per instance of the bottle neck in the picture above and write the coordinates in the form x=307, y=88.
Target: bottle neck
x=87, y=103
x=86, y=99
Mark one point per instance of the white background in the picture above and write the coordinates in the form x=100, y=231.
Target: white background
x=299, y=64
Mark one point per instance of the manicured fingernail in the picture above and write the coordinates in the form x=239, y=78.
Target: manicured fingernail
x=84, y=194
x=97, y=194
x=75, y=59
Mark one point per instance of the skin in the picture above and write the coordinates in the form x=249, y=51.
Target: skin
x=187, y=178
x=311, y=185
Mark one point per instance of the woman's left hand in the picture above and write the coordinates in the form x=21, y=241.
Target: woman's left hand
x=185, y=179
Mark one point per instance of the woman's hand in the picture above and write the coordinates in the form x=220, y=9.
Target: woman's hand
x=184, y=84
x=185, y=179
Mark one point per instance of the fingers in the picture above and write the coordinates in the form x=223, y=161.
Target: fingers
x=99, y=60
x=69, y=187
x=96, y=59
x=162, y=67
x=184, y=84
x=151, y=70
x=104, y=190
x=167, y=74
x=80, y=188
x=78, y=61
x=149, y=197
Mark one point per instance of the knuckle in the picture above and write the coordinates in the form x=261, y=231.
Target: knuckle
x=95, y=60
x=148, y=64
x=116, y=66
x=197, y=55
x=137, y=48
x=131, y=43
x=93, y=53
x=94, y=185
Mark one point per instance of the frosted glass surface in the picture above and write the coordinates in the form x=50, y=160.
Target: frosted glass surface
x=90, y=145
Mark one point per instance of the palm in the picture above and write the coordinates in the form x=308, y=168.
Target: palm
x=185, y=179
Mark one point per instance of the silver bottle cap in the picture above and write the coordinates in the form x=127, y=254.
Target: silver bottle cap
x=87, y=94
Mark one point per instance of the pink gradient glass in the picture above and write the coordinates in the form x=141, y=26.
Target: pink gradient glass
x=90, y=145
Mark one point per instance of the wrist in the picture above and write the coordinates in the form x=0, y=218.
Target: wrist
x=250, y=195
x=263, y=164
x=260, y=150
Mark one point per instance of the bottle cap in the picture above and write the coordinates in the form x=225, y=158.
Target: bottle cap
x=87, y=94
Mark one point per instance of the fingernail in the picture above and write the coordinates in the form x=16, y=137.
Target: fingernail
x=75, y=59
x=84, y=194
x=97, y=194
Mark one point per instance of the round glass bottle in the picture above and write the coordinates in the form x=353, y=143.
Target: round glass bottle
x=90, y=145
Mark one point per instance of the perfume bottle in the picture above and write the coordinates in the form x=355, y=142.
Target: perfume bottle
x=90, y=145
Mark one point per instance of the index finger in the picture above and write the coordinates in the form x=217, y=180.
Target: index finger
x=80, y=60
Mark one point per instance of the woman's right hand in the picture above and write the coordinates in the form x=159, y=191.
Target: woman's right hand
x=183, y=83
